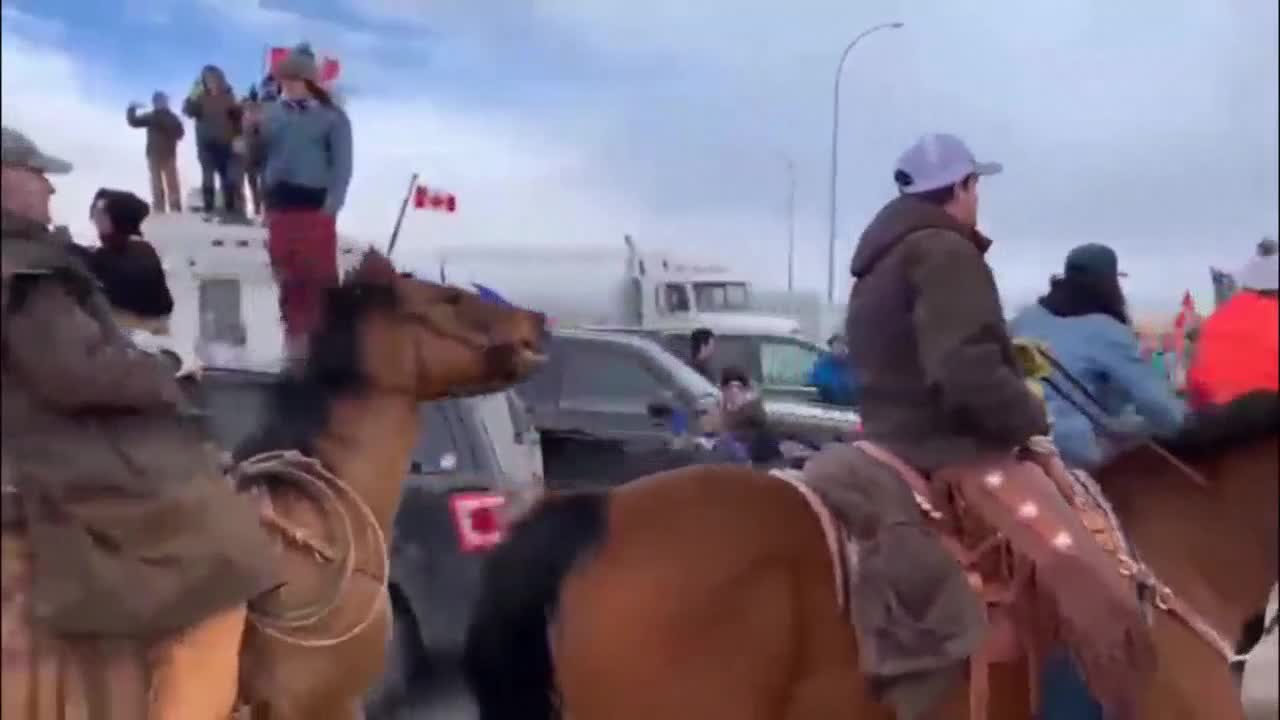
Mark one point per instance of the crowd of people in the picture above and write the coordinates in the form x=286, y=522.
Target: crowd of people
x=283, y=152
x=926, y=355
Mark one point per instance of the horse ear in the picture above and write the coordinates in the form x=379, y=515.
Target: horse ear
x=374, y=268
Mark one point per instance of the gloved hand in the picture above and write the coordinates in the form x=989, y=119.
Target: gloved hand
x=1032, y=358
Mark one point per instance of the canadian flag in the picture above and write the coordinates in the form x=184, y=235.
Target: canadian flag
x=426, y=198
x=329, y=67
x=1187, y=315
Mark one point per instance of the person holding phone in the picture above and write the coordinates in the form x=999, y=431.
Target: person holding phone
x=164, y=131
x=213, y=106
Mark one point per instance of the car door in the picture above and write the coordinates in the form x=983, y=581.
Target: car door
x=234, y=404
x=516, y=443
x=606, y=390
x=441, y=449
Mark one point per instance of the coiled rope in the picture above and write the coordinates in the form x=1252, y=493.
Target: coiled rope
x=332, y=496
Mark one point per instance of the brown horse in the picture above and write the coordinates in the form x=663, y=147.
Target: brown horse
x=388, y=342
x=709, y=593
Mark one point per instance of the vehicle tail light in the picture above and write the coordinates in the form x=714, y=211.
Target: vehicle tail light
x=478, y=519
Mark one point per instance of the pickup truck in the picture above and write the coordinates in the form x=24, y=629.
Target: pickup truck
x=604, y=405
x=778, y=364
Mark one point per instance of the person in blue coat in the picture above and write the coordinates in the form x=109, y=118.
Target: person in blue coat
x=832, y=375
x=1085, y=324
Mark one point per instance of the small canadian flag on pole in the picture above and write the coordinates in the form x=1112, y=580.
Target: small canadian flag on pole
x=427, y=198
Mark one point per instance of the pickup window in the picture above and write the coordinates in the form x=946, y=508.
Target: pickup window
x=438, y=449
x=786, y=363
x=596, y=375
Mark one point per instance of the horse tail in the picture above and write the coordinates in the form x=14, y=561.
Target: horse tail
x=507, y=661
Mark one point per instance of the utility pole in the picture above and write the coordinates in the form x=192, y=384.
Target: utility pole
x=395, y=231
x=835, y=140
x=791, y=226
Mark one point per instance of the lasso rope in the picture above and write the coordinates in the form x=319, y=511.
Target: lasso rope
x=329, y=492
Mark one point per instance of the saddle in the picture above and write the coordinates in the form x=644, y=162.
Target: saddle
x=1013, y=625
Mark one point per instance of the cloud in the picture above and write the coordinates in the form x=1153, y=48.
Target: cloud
x=511, y=181
x=572, y=122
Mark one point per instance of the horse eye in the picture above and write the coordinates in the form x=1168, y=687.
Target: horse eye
x=453, y=298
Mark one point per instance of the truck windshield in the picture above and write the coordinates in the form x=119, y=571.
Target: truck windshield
x=719, y=296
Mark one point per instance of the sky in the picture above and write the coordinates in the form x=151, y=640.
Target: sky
x=1149, y=125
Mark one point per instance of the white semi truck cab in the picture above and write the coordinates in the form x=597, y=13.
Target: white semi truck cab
x=619, y=287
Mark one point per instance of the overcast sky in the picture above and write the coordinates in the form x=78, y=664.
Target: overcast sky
x=1150, y=125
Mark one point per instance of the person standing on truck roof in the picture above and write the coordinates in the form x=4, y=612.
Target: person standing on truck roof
x=212, y=104
x=164, y=130
x=304, y=142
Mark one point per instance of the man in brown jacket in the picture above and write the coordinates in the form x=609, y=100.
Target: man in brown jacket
x=132, y=532
x=943, y=392
x=164, y=130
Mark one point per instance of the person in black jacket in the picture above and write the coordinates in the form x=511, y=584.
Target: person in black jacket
x=127, y=266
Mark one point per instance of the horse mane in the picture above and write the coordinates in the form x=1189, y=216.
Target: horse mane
x=300, y=401
x=1246, y=419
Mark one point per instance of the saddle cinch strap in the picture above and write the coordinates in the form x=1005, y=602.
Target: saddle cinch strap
x=999, y=590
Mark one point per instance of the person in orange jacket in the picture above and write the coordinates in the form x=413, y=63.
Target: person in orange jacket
x=1239, y=344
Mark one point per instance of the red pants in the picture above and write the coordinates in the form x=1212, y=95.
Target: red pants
x=303, y=246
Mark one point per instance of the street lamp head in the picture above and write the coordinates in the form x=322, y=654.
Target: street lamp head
x=896, y=25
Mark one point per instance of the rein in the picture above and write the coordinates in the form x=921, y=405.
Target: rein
x=1189, y=472
x=1163, y=596
x=330, y=492
x=436, y=327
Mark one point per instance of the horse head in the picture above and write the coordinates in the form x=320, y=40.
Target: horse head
x=431, y=340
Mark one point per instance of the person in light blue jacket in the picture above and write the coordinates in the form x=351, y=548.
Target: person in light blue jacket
x=303, y=143
x=1084, y=322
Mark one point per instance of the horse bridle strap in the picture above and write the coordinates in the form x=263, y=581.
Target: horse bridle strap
x=1164, y=598
x=435, y=326
x=1101, y=426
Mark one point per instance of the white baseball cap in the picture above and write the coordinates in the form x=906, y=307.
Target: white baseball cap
x=936, y=161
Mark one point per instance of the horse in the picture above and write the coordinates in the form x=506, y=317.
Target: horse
x=710, y=592
x=389, y=343
x=326, y=468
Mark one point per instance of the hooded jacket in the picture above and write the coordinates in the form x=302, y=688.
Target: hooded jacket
x=217, y=114
x=926, y=332
x=128, y=268
x=132, y=527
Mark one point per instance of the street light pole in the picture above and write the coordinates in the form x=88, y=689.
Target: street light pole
x=791, y=225
x=835, y=143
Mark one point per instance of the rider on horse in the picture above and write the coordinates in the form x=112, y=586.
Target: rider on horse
x=943, y=392
x=131, y=529
x=1120, y=397
x=1238, y=350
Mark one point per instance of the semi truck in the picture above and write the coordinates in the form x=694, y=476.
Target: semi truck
x=618, y=287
